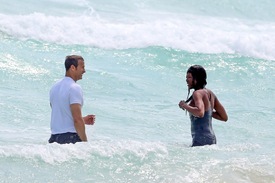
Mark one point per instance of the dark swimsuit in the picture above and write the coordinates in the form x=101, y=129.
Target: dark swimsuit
x=201, y=129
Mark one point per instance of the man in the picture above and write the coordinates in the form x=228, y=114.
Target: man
x=203, y=106
x=66, y=100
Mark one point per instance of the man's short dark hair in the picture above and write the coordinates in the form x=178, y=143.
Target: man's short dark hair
x=72, y=60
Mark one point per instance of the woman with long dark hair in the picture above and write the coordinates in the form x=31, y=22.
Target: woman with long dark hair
x=202, y=105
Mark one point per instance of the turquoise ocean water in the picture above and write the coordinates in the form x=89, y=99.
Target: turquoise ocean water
x=136, y=55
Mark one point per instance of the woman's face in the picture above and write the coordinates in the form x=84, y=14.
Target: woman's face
x=190, y=81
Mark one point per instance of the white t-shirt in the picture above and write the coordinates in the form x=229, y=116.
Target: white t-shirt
x=64, y=93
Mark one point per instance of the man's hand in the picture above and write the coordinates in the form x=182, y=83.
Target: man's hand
x=89, y=119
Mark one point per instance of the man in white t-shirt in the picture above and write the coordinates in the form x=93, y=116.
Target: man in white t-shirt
x=66, y=100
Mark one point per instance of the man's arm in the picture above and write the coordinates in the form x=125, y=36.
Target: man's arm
x=78, y=121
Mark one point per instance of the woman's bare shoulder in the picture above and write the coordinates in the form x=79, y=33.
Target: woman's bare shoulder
x=211, y=93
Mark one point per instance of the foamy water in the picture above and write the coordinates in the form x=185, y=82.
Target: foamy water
x=185, y=31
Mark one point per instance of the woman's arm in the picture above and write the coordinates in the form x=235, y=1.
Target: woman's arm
x=219, y=112
x=198, y=109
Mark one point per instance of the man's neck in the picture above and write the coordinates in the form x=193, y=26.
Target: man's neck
x=69, y=75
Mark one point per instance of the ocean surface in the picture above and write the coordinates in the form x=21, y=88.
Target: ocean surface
x=136, y=55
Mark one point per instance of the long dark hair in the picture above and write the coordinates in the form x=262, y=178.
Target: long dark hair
x=199, y=74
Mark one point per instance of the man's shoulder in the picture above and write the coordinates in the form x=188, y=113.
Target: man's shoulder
x=75, y=87
x=69, y=82
x=56, y=84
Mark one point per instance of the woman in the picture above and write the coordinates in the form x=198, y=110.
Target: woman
x=203, y=105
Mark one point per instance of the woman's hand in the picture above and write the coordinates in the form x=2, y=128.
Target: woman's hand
x=182, y=104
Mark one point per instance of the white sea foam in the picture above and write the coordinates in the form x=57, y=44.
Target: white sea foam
x=186, y=32
x=55, y=153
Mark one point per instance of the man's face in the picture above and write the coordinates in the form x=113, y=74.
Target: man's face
x=80, y=70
